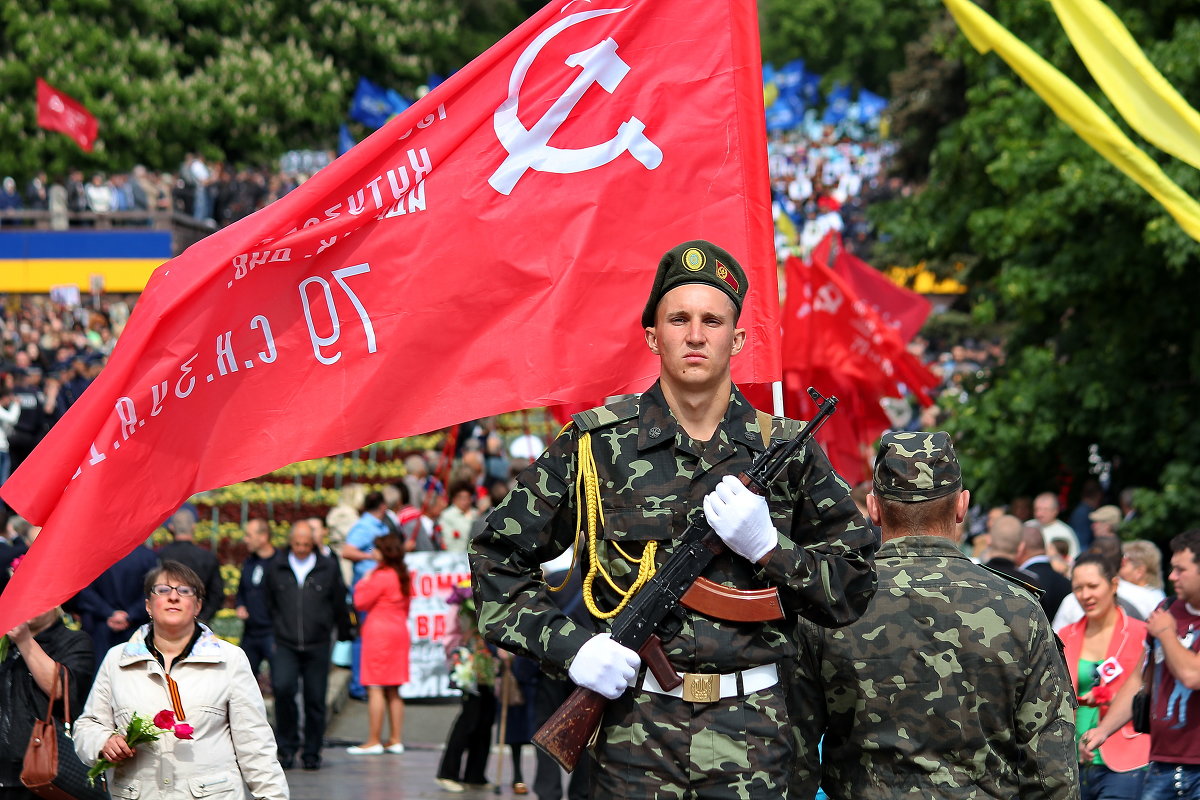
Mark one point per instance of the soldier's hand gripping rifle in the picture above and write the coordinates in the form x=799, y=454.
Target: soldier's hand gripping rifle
x=565, y=735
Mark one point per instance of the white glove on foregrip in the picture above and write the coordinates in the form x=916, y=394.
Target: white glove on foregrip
x=604, y=666
x=741, y=519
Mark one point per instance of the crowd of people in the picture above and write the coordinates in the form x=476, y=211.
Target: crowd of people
x=913, y=651
x=214, y=193
x=824, y=183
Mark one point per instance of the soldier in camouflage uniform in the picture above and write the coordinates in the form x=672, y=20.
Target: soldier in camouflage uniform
x=660, y=460
x=952, y=684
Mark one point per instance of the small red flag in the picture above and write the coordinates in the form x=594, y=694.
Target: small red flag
x=57, y=111
x=489, y=249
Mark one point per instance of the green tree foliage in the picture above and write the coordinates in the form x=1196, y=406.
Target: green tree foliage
x=860, y=42
x=1094, y=279
x=243, y=81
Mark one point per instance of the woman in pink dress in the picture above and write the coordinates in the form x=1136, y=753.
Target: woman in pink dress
x=386, y=594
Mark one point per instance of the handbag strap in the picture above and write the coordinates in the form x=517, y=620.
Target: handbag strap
x=61, y=679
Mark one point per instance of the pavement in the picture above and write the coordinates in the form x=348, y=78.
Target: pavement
x=408, y=776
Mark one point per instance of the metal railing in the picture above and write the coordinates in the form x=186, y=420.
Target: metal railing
x=185, y=230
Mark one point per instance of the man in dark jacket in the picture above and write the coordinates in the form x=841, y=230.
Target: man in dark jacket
x=1004, y=544
x=307, y=599
x=252, y=606
x=203, y=562
x=113, y=606
x=1032, y=557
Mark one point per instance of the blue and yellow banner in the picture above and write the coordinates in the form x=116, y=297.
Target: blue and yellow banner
x=35, y=261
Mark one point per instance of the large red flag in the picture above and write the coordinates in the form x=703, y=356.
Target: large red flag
x=489, y=249
x=59, y=112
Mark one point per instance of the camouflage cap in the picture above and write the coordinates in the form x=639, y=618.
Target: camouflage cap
x=912, y=467
x=696, y=261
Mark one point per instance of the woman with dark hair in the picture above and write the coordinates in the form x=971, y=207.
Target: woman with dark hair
x=197, y=688
x=386, y=594
x=28, y=671
x=1103, y=649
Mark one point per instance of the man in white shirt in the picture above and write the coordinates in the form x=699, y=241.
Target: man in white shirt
x=1045, y=511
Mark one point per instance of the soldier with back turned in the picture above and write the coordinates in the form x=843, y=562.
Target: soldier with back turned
x=952, y=684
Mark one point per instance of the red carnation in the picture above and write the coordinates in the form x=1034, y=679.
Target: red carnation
x=165, y=719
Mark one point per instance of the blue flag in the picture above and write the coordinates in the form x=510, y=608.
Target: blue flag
x=370, y=105
x=838, y=104
x=345, y=140
x=810, y=88
x=397, y=101
x=782, y=116
x=790, y=78
x=870, y=105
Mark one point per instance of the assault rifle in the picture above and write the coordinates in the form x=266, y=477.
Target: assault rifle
x=565, y=735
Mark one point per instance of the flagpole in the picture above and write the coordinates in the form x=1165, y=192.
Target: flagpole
x=777, y=397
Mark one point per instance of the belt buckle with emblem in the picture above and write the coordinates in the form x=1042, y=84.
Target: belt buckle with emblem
x=700, y=687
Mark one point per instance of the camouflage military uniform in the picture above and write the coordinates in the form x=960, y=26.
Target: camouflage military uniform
x=653, y=477
x=951, y=685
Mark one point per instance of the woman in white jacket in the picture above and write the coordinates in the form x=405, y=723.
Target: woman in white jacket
x=177, y=664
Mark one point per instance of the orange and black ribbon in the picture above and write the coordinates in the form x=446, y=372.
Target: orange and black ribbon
x=176, y=701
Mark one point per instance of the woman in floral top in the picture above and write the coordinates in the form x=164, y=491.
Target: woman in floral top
x=473, y=670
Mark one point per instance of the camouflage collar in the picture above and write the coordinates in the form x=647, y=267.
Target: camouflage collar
x=908, y=546
x=657, y=425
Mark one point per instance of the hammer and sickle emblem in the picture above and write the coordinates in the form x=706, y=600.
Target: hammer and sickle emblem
x=527, y=147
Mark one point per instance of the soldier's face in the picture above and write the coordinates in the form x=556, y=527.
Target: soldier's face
x=695, y=334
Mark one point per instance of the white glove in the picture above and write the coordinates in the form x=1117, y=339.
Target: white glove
x=741, y=519
x=604, y=666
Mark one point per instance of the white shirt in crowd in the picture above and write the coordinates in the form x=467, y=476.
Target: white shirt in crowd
x=301, y=567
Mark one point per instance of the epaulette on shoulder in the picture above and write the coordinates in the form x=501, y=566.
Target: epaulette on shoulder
x=1036, y=591
x=603, y=416
x=784, y=428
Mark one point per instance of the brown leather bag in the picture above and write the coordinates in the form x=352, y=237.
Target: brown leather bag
x=51, y=769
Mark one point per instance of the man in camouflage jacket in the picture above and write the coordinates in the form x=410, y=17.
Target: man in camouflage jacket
x=661, y=460
x=952, y=684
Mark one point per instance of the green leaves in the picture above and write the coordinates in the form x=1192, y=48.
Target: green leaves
x=1095, y=281
x=243, y=82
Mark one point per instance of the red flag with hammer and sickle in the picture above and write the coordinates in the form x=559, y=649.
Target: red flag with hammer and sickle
x=489, y=249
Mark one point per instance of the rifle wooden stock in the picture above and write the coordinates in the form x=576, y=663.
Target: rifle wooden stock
x=565, y=735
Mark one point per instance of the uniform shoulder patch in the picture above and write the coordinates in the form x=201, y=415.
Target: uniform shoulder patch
x=783, y=428
x=603, y=416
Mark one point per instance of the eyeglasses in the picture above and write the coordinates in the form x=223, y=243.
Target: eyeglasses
x=164, y=589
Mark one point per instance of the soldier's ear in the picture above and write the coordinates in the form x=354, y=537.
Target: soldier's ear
x=960, y=508
x=873, y=509
x=652, y=340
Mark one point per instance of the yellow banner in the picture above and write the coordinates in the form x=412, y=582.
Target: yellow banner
x=1147, y=101
x=1076, y=109
x=39, y=275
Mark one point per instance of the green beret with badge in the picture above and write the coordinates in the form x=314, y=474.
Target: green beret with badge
x=696, y=261
x=912, y=467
